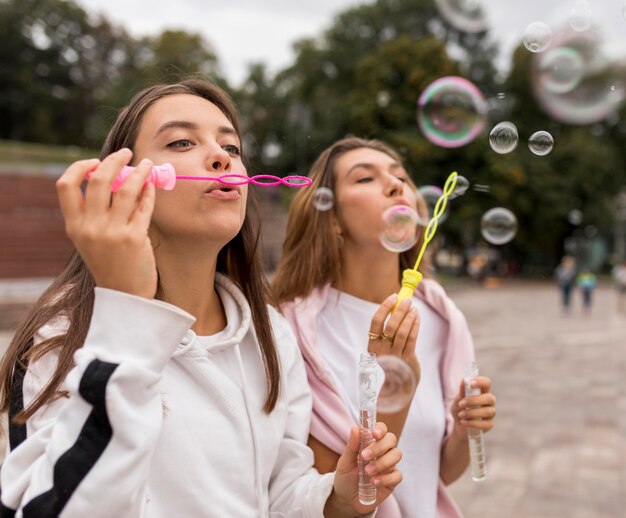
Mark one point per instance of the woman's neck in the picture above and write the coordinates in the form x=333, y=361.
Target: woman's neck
x=370, y=275
x=188, y=282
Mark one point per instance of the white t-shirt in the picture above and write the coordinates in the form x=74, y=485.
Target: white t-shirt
x=342, y=328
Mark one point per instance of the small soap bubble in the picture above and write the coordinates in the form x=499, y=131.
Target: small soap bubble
x=580, y=17
x=575, y=216
x=561, y=70
x=498, y=226
x=451, y=112
x=323, y=199
x=399, y=232
x=431, y=194
x=541, y=143
x=399, y=385
x=503, y=137
x=537, y=37
x=383, y=98
x=462, y=184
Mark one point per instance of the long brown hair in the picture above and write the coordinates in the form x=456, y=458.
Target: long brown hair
x=71, y=295
x=311, y=252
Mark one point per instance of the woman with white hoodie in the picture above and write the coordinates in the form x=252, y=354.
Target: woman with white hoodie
x=152, y=379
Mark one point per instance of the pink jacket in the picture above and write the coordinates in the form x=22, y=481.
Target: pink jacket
x=331, y=420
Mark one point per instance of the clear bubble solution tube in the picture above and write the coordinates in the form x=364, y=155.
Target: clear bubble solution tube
x=367, y=421
x=478, y=463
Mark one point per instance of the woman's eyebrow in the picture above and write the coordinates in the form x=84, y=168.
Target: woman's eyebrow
x=372, y=167
x=191, y=126
x=176, y=124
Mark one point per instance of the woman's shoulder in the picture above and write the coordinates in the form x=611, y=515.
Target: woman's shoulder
x=284, y=337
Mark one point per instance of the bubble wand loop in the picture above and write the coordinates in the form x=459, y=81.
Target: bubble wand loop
x=411, y=277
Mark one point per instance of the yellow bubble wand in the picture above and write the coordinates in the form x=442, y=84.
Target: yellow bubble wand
x=411, y=277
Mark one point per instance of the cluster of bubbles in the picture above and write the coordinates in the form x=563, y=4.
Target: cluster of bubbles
x=399, y=385
x=451, y=112
x=575, y=81
x=498, y=226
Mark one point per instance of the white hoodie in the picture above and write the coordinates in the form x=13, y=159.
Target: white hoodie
x=161, y=423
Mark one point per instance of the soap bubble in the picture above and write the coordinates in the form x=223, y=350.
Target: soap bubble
x=323, y=199
x=399, y=385
x=464, y=15
x=590, y=89
x=575, y=216
x=431, y=194
x=541, y=143
x=498, y=226
x=462, y=184
x=451, y=112
x=503, y=137
x=581, y=17
x=561, y=70
x=537, y=37
x=399, y=232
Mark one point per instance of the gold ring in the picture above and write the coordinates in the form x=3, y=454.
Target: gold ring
x=373, y=336
x=386, y=337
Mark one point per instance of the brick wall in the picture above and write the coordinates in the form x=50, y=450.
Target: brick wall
x=32, y=237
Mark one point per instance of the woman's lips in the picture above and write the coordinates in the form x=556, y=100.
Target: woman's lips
x=226, y=195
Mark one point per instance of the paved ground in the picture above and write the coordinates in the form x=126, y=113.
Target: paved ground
x=559, y=446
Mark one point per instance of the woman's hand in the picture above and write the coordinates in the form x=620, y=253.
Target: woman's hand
x=344, y=500
x=399, y=336
x=474, y=411
x=111, y=233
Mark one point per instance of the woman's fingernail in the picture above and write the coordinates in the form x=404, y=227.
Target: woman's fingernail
x=461, y=414
x=376, y=481
x=370, y=469
x=145, y=161
x=393, y=297
x=462, y=403
x=367, y=454
x=473, y=384
x=405, y=303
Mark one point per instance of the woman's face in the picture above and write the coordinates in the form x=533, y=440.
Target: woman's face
x=194, y=136
x=368, y=182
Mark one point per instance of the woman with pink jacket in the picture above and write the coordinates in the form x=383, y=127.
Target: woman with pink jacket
x=336, y=285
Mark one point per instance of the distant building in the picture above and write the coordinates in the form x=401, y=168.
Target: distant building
x=33, y=242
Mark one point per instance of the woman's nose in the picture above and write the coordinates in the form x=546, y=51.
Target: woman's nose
x=394, y=186
x=218, y=159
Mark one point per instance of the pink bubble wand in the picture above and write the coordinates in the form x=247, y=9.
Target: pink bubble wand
x=164, y=177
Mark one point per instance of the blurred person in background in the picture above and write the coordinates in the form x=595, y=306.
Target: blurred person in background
x=565, y=275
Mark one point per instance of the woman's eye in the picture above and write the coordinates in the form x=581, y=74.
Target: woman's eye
x=180, y=144
x=403, y=179
x=232, y=149
x=365, y=179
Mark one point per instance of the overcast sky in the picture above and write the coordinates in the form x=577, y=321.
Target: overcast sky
x=245, y=31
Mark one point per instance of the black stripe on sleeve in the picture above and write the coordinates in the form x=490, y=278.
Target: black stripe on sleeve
x=17, y=432
x=72, y=467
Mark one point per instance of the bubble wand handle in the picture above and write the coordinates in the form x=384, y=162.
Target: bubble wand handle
x=411, y=277
x=478, y=461
x=162, y=176
x=368, y=392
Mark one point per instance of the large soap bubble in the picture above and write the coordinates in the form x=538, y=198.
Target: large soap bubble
x=537, y=37
x=399, y=232
x=399, y=385
x=451, y=112
x=561, y=70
